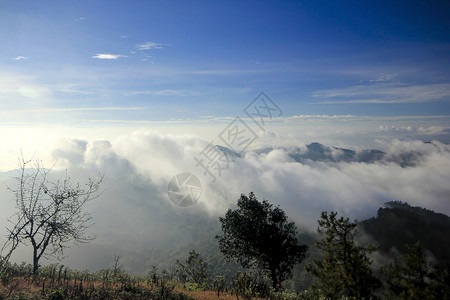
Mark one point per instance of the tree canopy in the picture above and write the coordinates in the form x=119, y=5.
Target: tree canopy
x=388, y=229
x=194, y=269
x=344, y=270
x=410, y=276
x=259, y=235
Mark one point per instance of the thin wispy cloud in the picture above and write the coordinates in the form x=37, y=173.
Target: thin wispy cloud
x=71, y=109
x=385, y=93
x=150, y=45
x=167, y=92
x=108, y=56
x=384, y=78
x=20, y=57
x=115, y=121
x=431, y=130
x=229, y=71
x=80, y=19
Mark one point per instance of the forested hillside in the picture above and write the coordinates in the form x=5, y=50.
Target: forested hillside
x=399, y=224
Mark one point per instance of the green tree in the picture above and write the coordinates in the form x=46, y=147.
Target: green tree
x=258, y=235
x=410, y=276
x=49, y=214
x=344, y=270
x=193, y=270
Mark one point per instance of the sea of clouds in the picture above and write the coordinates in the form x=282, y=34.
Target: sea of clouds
x=134, y=211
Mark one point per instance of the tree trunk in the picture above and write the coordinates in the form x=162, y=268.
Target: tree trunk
x=35, y=261
x=275, y=283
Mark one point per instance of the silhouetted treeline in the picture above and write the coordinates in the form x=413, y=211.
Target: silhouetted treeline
x=399, y=224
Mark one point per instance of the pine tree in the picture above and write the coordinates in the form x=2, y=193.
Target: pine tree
x=344, y=270
x=412, y=277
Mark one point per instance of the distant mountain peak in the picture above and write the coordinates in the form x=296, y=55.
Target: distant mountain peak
x=321, y=153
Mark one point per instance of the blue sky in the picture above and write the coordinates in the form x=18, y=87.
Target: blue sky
x=93, y=64
x=193, y=58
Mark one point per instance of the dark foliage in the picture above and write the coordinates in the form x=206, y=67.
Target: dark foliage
x=194, y=269
x=412, y=277
x=258, y=235
x=252, y=285
x=400, y=224
x=344, y=270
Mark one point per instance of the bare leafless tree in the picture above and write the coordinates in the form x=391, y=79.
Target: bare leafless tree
x=50, y=214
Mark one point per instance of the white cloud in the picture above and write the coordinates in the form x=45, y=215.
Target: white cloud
x=138, y=167
x=385, y=77
x=20, y=57
x=385, y=93
x=430, y=130
x=304, y=190
x=150, y=45
x=303, y=117
x=108, y=56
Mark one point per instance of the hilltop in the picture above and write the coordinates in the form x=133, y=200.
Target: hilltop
x=398, y=224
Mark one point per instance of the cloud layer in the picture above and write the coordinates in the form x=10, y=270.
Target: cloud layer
x=135, y=212
x=305, y=188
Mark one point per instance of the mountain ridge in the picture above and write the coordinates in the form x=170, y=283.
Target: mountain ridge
x=318, y=152
x=399, y=224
